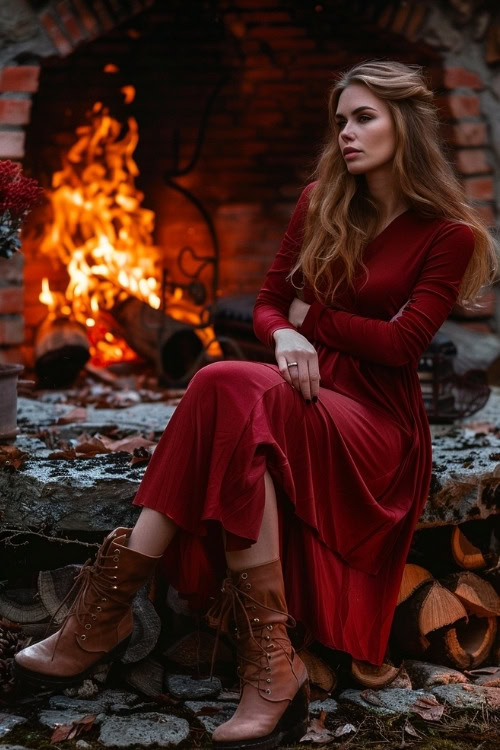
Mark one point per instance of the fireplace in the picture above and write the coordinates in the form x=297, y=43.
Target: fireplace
x=222, y=107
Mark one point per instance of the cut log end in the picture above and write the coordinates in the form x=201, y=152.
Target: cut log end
x=414, y=576
x=465, y=554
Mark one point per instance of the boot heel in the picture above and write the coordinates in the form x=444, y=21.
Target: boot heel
x=296, y=717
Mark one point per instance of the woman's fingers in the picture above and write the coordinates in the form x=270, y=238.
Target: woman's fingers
x=304, y=380
x=314, y=378
x=283, y=368
x=297, y=362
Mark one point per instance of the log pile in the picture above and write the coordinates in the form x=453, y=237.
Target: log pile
x=447, y=618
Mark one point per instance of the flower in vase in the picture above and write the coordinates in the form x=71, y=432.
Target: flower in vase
x=18, y=195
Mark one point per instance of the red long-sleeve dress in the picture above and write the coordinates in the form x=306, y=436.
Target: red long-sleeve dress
x=352, y=471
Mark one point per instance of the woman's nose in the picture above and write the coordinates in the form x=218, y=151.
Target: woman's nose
x=346, y=135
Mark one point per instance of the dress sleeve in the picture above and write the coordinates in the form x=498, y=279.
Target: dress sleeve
x=407, y=335
x=274, y=299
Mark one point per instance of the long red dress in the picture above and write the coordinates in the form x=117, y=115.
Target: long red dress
x=352, y=471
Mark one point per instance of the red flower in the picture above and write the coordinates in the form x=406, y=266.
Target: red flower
x=18, y=194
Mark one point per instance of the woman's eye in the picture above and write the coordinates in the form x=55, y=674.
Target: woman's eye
x=340, y=124
x=365, y=118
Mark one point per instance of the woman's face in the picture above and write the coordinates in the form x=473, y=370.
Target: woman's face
x=367, y=136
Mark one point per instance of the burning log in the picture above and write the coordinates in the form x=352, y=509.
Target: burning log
x=61, y=350
x=174, y=346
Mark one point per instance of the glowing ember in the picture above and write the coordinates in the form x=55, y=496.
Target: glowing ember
x=103, y=236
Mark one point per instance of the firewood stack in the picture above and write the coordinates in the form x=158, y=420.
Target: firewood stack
x=452, y=619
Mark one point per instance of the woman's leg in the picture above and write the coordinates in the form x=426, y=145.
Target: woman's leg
x=152, y=533
x=267, y=546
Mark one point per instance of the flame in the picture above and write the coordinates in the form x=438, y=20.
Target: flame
x=103, y=236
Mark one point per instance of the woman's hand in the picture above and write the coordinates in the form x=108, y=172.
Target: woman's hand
x=291, y=346
x=297, y=312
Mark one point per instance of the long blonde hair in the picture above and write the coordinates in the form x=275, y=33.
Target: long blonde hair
x=342, y=217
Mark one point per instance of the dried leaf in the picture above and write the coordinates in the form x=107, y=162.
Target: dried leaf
x=11, y=458
x=345, y=729
x=140, y=456
x=128, y=444
x=482, y=670
x=90, y=446
x=317, y=732
x=411, y=729
x=69, y=731
x=79, y=414
x=428, y=708
x=370, y=696
x=66, y=453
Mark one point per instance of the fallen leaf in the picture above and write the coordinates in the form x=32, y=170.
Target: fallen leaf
x=428, y=708
x=11, y=458
x=317, y=732
x=344, y=730
x=411, y=729
x=69, y=731
x=370, y=696
x=90, y=446
x=75, y=415
x=65, y=453
x=127, y=444
x=482, y=670
x=140, y=456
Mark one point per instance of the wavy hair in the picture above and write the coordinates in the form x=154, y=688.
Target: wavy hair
x=342, y=217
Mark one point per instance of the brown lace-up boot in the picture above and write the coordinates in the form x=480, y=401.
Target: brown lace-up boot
x=274, y=703
x=99, y=624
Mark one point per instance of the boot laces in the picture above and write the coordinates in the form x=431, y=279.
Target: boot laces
x=219, y=614
x=90, y=578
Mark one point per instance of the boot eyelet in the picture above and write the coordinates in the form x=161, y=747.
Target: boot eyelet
x=116, y=559
x=88, y=626
x=267, y=637
x=114, y=578
x=271, y=645
x=255, y=619
x=269, y=627
x=83, y=637
x=268, y=669
x=99, y=609
x=268, y=691
x=253, y=607
x=248, y=586
x=268, y=680
x=94, y=617
x=114, y=587
x=104, y=600
x=244, y=576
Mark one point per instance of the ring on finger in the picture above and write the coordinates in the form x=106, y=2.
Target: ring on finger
x=292, y=364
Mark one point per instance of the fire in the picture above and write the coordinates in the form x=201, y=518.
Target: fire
x=103, y=236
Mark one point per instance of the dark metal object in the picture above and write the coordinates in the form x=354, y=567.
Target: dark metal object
x=448, y=396
x=195, y=288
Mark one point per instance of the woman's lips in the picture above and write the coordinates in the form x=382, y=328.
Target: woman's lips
x=351, y=154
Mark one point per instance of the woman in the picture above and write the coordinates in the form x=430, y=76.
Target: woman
x=318, y=466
